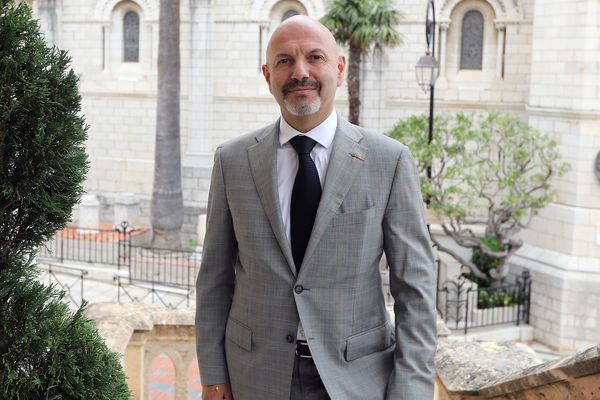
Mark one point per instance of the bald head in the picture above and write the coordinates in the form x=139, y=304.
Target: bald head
x=299, y=27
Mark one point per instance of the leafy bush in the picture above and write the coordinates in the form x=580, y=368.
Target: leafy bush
x=46, y=352
x=495, y=298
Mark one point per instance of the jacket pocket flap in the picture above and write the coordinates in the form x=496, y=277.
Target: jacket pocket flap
x=368, y=342
x=239, y=334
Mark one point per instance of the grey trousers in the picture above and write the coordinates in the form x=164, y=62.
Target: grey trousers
x=306, y=382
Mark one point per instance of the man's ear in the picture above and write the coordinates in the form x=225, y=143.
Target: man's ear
x=267, y=75
x=341, y=64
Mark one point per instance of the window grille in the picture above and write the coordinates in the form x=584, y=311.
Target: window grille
x=131, y=37
x=471, y=55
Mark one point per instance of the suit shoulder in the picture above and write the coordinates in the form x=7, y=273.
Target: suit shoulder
x=239, y=144
x=382, y=144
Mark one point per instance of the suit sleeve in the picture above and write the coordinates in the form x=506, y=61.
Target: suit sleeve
x=412, y=282
x=215, y=283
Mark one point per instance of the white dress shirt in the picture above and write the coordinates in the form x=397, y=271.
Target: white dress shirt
x=287, y=160
x=287, y=166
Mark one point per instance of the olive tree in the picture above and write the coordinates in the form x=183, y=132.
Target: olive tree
x=490, y=175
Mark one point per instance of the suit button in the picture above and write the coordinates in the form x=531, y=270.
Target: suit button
x=298, y=289
x=289, y=338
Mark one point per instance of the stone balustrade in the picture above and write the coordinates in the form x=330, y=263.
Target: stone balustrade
x=511, y=371
x=465, y=370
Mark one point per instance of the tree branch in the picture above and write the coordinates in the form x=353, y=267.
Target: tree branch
x=463, y=261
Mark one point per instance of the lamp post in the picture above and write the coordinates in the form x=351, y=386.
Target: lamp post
x=428, y=69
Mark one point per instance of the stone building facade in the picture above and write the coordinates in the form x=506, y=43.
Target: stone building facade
x=538, y=59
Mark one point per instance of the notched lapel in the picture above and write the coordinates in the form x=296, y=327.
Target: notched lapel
x=262, y=157
x=347, y=157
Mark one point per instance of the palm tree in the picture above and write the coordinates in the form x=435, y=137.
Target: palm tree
x=360, y=24
x=166, y=212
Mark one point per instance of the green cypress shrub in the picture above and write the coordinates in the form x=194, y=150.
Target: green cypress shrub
x=46, y=352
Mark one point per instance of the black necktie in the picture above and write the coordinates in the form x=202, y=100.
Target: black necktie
x=305, y=198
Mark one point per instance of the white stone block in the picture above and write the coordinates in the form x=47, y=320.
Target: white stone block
x=89, y=212
x=126, y=209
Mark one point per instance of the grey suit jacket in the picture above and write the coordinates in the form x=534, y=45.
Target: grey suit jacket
x=250, y=298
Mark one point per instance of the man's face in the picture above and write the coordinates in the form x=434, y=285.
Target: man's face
x=303, y=69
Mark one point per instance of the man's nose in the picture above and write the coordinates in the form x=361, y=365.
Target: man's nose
x=300, y=71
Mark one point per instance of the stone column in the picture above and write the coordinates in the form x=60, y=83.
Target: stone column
x=501, y=27
x=47, y=18
x=442, y=81
x=444, y=25
x=135, y=368
x=199, y=151
x=105, y=46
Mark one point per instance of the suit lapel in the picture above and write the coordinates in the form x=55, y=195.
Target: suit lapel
x=347, y=157
x=263, y=163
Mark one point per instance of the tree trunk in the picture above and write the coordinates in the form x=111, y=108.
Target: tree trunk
x=353, y=80
x=167, y=200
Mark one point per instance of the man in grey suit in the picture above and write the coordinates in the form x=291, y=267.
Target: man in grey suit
x=289, y=295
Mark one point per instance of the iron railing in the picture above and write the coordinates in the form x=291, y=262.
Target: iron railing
x=98, y=246
x=463, y=305
x=78, y=285
x=145, y=265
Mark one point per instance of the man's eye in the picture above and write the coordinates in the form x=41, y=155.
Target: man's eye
x=283, y=61
x=317, y=57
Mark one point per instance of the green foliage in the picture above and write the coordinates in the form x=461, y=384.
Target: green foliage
x=483, y=261
x=490, y=170
x=42, y=157
x=363, y=22
x=45, y=351
x=495, y=298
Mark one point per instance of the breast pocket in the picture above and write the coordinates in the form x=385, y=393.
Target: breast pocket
x=350, y=218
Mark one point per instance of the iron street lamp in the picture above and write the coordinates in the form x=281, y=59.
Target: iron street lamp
x=428, y=69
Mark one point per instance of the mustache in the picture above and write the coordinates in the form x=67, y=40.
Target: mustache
x=303, y=83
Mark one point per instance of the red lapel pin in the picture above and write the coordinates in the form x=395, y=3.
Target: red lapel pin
x=357, y=156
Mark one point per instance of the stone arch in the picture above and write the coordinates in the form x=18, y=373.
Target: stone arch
x=104, y=8
x=261, y=9
x=171, y=366
x=504, y=9
x=499, y=7
x=453, y=70
x=280, y=8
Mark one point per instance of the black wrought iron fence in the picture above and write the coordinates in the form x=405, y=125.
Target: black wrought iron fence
x=463, y=305
x=77, y=285
x=176, y=268
x=98, y=246
x=144, y=264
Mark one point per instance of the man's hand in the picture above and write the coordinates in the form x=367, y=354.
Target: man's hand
x=217, y=392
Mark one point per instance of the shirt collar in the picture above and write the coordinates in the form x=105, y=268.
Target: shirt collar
x=322, y=134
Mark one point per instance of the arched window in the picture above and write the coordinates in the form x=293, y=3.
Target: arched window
x=289, y=14
x=131, y=37
x=471, y=54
